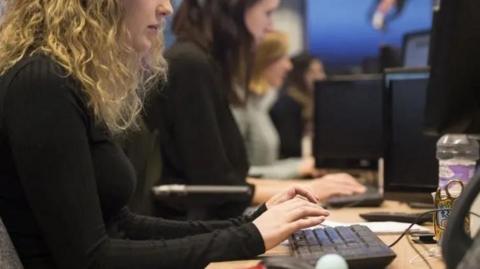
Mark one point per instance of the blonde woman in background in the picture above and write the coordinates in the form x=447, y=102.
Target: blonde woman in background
x=271, y=66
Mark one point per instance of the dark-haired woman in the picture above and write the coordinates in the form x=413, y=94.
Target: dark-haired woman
x=209, y=70
x=292, y=113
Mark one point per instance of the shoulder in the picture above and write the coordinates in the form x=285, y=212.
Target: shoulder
x=188, y=55
x=38, y=72
x=284, y=99
x=39, y=79
x=37, y=67
x=240, y=113
x=192, y=72
x=285, y=107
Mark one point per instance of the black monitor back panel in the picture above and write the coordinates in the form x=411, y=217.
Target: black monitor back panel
x=410, y=162
x=348, y=123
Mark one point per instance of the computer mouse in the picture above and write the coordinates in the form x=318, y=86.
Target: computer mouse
x=285, y=262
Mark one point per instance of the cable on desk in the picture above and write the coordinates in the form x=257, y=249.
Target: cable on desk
x=430, y=253
x=475, y=214
x=413, y=223
x=419, y=253
x=409, y=239
x=418, y=219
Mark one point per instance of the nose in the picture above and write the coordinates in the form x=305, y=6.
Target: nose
x=164, y=9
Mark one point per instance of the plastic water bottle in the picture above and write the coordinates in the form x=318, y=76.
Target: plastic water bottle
x=457, y=155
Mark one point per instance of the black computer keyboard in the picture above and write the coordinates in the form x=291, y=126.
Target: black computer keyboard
x=360, y=247
x=371, y=197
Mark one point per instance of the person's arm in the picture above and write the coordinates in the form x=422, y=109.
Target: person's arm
x=287, y=212
x=323, y=188
x=140, y=227
x=47, y=132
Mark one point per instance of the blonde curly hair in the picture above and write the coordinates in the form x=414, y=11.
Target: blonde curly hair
x=87, y=38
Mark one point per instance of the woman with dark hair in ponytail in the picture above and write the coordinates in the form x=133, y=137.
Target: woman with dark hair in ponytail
x=209, y=69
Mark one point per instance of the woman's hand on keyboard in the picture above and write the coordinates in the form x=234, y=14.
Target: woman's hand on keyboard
x=281, y=220
x=334, y=185
x=291, y=193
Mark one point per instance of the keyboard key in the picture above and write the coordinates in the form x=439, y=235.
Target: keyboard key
x=310, y=236
x=347, y=234
x=332, y=233
x=322, y=237
x=299, y=239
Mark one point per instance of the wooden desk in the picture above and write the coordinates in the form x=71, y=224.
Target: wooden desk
x=406, y=256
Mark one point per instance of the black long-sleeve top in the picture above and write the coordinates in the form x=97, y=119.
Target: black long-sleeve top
x=286, y=115
x=200, y=141
x=64, y=185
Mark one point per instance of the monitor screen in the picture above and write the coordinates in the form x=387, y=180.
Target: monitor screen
x=410, y=160
x=348, y=123
x=415, y=49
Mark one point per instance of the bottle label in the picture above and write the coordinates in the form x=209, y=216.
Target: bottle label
x=449, y=170
x=444, y=204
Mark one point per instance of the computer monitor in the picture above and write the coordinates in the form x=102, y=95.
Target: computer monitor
x=453, y=97
x=415, y=49
x=453, y=106
x=348, y=122
x=410, y=163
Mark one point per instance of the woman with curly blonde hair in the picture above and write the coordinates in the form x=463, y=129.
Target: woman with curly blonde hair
x=73, y=73
x=86, y=46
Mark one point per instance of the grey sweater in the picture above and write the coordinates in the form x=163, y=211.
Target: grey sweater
x=261, y=138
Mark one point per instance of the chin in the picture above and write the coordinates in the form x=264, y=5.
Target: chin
x=143, y=47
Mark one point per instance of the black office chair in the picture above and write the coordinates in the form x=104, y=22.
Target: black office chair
x=8, y=255
x=143, y=149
